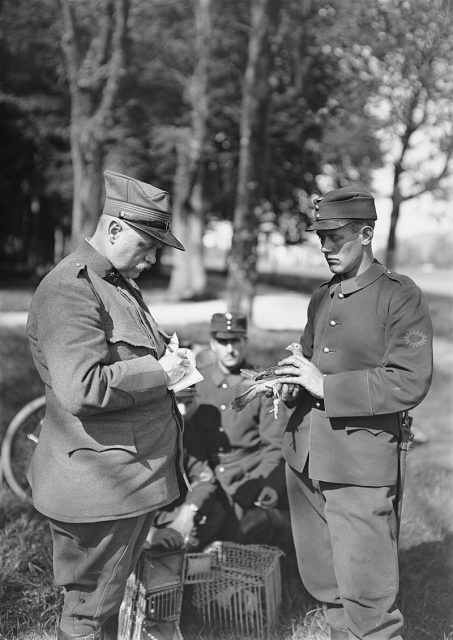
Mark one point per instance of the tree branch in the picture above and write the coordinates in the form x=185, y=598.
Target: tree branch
x=433, y=182
x=70, y=44
x=116, y=63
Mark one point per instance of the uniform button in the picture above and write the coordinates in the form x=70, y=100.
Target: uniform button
x=221, y=429
x=326, y=349
x=223, y=407
x=317, y=405
x=82, y=600
x=224, y=385
x=221, y=469
x=389, y=271
x=221, y=449
x=332, y=323
x=341, y=296
x=78, y=264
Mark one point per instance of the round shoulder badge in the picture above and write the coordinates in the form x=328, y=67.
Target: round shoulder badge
x=415, y=338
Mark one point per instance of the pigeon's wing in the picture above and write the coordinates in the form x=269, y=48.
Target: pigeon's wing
x=256, y=383
x=249, y=374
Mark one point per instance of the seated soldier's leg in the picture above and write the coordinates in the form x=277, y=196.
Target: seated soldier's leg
x=209, y=523
x=265, y=526
x=93, y=561
x=362, y=526
x=231, y=514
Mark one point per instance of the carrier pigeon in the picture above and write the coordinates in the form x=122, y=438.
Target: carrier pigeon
x=256, y=383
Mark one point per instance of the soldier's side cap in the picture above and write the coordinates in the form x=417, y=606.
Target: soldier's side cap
x=140, y=205
x=337, y=207
x=228, y=325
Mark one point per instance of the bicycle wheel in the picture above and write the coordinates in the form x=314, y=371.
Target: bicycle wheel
x=18, y=445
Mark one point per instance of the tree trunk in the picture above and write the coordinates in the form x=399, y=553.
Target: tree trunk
x=390, y=255
x=255, y=114
x=396, y=205
x=87, y=152
x=95, y=58
x=188, y=278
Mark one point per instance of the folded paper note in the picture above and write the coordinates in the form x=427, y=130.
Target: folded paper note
x=193, y=375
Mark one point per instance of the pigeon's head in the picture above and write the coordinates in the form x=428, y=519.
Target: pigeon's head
x=294, y=347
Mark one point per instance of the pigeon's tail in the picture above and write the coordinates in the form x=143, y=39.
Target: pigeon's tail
x=238, y=403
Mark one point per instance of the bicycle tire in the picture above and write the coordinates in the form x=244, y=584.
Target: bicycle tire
x=18, y=445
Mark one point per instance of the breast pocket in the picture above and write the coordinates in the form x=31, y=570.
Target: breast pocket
x=126, y=342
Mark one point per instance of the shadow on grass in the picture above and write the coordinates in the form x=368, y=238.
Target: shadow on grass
x=426, y=581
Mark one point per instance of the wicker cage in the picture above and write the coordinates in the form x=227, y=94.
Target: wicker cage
x=236, y=587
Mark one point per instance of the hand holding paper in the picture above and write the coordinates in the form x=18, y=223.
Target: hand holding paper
x=179, y=365
x=175, y=364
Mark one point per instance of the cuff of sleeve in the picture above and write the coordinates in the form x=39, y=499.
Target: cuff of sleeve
x=347, y=394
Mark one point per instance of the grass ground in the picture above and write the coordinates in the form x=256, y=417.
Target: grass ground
x=29, y=601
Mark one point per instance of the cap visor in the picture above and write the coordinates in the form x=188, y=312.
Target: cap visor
x=334, y=223
x=164, y=236
x=227, y=335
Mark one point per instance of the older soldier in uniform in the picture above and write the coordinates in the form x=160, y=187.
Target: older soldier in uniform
x=367, y=358
x=243, y=448
x=107, y=455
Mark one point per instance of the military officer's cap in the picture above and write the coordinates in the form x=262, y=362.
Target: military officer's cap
x=228, y=325
x=338, y=207
x=140, y=205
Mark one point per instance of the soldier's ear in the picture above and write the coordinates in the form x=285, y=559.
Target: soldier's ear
x=113, y=229
x=367, y=235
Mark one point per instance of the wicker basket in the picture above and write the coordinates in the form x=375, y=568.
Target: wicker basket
x=236, y=587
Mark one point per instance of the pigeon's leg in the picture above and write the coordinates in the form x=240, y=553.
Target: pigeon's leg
x=276, y=401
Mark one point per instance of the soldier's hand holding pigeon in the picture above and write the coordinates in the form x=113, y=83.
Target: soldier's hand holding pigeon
x=297, y=370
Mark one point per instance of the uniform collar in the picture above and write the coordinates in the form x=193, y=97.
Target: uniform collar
x=358, y=282
x=99, y=263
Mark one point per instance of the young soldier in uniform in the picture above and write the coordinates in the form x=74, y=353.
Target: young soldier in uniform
x=243, y=448
x=367, y=358
x=107, y=455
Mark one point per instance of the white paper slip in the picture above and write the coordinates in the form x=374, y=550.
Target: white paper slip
x=189, y=379
x=192, y=376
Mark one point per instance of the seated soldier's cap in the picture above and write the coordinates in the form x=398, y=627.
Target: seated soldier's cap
x=140, y=205
x=228, y=325
x=338, y=207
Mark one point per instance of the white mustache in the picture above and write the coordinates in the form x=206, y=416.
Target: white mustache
x=144, y=264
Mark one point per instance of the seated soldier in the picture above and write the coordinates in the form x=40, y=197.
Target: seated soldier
x=196, y=517
x=243, y=448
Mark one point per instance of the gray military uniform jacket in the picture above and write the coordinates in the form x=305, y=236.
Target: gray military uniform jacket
x=110, y=436
x=371, y=337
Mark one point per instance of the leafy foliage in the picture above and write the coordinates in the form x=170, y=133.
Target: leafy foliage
x=352, y=84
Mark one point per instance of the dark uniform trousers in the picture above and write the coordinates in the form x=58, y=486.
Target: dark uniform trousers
x=348, y=535
x=92, y=561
